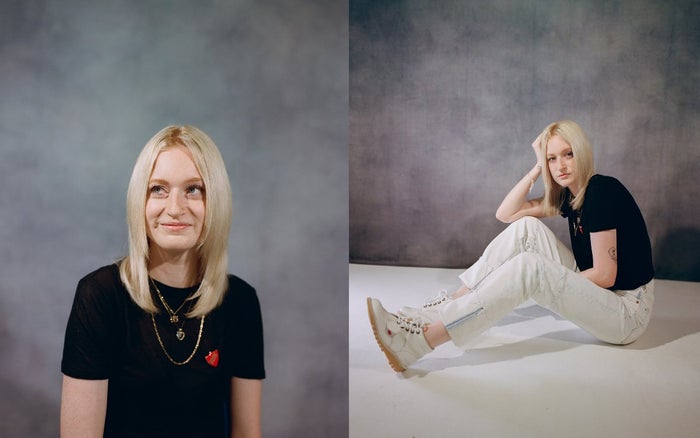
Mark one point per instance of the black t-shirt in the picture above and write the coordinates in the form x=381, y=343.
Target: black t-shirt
x=608, y=205
x=109, y=337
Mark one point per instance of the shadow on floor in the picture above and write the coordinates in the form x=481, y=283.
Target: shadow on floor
x=550, y=343
x=663, y=330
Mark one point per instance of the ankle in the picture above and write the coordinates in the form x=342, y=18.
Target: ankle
x=462, y=291
x=436, y=334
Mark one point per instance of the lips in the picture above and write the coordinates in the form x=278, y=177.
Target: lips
x=564, y=175
x=174, y=226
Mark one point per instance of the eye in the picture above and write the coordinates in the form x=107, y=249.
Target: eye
x=195, y=191
x=570, y=154
x=550, y=159
x=157, y=191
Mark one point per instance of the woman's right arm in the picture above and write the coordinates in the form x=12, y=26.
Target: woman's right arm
x=516, y=205
x=83, y=407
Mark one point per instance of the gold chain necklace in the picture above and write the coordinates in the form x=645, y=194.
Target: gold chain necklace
x=173, y=315
x=199, y=338
x=174, y=318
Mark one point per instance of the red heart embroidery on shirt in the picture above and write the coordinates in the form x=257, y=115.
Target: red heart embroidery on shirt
x=213, y=358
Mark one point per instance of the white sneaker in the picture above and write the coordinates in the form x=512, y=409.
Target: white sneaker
x=402, y=341
x=430, y=312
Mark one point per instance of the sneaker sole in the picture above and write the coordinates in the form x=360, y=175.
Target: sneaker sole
x=394, y=362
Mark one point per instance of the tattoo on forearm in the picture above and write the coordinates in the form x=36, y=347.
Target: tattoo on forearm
x=612, y=252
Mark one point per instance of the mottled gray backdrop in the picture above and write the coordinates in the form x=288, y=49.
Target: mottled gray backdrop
x=84, y=85
x=446, y=97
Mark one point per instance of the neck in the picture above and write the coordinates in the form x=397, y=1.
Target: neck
x=177, y=270
x=574, y=190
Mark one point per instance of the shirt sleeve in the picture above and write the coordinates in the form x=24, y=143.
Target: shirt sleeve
x=87, y=348
x=246, y=335
x=600, y=209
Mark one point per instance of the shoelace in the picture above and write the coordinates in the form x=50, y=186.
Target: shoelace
x=414, y=326
x=432, y=302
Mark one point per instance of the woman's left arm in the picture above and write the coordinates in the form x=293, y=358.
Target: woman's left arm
x=246, y=400
x=604, y=249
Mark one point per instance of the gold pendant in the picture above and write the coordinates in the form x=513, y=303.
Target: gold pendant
x=180, y=335
x=174, y=319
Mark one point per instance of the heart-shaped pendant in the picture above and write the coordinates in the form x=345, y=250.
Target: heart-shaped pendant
x=213, y=358
x=180, y=334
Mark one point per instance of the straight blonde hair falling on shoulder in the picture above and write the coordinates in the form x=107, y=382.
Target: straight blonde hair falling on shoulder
x=573, y=135
x=212, y=249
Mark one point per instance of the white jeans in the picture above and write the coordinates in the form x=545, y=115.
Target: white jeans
x=527, y=261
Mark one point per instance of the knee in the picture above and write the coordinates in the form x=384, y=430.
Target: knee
x=528, y=222
x=525, y=226
x=527, y=260
x=536, y=266
x=529, y=225
x=543, y=279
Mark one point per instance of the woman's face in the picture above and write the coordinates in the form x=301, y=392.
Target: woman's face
x=175, y=204
x=561, y=163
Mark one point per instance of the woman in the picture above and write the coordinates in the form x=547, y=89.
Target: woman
x=165, y=343
x=605, y=286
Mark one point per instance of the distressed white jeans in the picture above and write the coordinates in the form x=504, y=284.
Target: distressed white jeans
x=527, y=261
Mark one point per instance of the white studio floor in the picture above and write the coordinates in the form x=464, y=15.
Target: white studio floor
x=532, y=375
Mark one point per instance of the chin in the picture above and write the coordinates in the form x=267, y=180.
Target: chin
x=564, y=184
x=170, y=246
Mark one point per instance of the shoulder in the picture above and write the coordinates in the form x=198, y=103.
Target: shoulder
x=598, y=181
x=239, y=291
x=240, y=301
x=105, y=275
x=604, y=186
x=100, y=285
x=238, y=286
x=236, y=283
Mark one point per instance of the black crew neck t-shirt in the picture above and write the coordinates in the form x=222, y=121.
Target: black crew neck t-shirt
x=109, y=337
x=609, y=205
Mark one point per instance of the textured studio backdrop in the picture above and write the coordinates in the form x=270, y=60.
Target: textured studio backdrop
x=446, y=97
x=84, y=85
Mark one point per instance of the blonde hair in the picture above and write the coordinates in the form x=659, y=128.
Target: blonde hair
x=212, y=249
x=573, y=135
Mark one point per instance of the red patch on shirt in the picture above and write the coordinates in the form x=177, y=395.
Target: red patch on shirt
x=213, y=358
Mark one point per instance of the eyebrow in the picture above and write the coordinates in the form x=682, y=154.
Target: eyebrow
x=563, y=151
x=166, y=182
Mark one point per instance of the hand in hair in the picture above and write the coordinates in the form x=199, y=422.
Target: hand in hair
x=538, y=149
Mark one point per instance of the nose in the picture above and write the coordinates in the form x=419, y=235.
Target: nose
x=561, y=165
x=176, y=205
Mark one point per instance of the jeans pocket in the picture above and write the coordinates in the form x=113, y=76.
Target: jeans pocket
x=644, y=307
x=639, y=304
